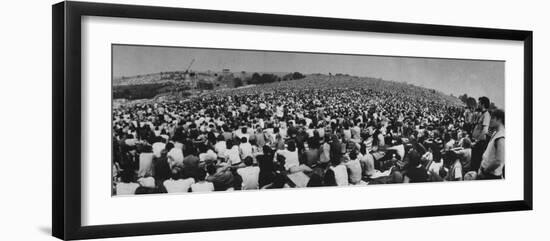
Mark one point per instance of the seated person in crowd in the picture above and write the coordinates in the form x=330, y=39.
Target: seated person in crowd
x=177, y=183
x=201, y=185
x=249, y=174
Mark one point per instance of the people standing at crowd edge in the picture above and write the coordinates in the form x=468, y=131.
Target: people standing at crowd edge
x=249, y=174
x=481, y=129
x=492, y=164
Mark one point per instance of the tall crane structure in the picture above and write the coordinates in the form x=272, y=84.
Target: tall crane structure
x=189, y=66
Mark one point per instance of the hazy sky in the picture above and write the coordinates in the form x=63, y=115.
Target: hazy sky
x=474, y=77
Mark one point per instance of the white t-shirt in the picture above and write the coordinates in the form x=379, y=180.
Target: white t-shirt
x=148, y=182
x=126, y=188
x=176, y=156
x=400, y=150
x=145, y=164
x=482, y=126
x=491, y=157
x=233, y=156
x=202, y=187
x=341, y=175
x=240, y=134
x=291, y=158
x=180, y=185
x=208, y=156
x=245, y=150
x=250, y=176
x=279, y=111
x=157, y=148
x=220, y=147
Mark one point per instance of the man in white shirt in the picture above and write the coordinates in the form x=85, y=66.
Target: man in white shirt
x=245, y=148
x=249, y=174
x=202, y=185
x=493, y=160
x=482, y=126
x=340, y=174
x=176, y=184
x=232, y=155
x=175, y=156
x=221, y=146
x=158, y=147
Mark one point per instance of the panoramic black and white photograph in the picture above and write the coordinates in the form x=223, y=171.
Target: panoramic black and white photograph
x=195, y=120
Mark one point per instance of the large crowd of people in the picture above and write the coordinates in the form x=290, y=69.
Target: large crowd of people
x=304, y=133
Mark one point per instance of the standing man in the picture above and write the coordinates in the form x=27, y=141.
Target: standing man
x=492, y=164
x=479, y=134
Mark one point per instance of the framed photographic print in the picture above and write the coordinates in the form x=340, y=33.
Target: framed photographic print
x=170, y=120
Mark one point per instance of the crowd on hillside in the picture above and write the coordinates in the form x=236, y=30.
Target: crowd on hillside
x=303, y=137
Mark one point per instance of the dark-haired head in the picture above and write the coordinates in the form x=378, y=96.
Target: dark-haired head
x=266, y=150
x=335, y=161
x=466, y=143
x=353, y=155
x=248, y=161
x=228, y=144
x=484, y=102
x=127, y=176
x=169, y=146
x=176, y=172
x=201, y=175
x=211, y=169
x=497, y=117
x=291, y=146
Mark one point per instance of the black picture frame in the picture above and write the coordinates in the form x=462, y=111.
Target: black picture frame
x=66, y=127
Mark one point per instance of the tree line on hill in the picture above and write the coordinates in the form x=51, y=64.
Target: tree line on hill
x=266, y=78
